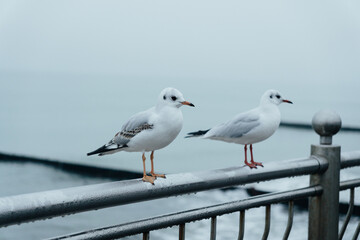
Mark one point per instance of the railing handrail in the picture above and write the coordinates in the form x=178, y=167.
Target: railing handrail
x=350, y=159
x=179, y=218
x=155, y=223
x=41, y=205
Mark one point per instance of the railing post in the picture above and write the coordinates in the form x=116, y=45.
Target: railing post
x=324, y=209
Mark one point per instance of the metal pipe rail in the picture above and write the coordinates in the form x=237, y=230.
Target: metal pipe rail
x=350, y=159
x=41, y=205
x=344, y=185
x=147, y=225
x=349, y=184
x=180, y=218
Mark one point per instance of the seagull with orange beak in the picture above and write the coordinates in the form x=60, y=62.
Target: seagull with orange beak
x=149, y=130
x=249, y=127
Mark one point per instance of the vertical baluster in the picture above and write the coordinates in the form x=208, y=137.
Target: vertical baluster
x=182, y=231
x=213, y=229
x=267, y=222
x=290, y=220
x=348, y=215
x=356, y=234
x=146, y=236
x=241, y=225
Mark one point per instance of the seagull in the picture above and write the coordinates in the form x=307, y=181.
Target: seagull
x=149, y=130
x=249, y=127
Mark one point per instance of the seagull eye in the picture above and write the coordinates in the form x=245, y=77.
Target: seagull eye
x=173, y=98
x=164, y=97
x=278, y=96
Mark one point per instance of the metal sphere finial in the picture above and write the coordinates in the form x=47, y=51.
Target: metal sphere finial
x=326, y=123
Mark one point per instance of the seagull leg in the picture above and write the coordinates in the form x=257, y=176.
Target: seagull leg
x=152, y=167
x=252, y=158
x=251, y=165
x=147, y=178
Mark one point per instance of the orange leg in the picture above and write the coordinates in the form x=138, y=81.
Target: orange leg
x=251, y=165
x=147, y=178
x=252, y=158
x=152, y=167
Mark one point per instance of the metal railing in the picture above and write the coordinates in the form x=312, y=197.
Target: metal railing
x=323, y=166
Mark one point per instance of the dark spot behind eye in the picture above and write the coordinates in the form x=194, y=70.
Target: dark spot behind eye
x=173, y=98
x=278, y=96
x=164, y=97
x=271, y=96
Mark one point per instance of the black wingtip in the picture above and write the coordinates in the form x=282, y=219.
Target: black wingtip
x=99, y=150
x=104, y=149
x=197, y=134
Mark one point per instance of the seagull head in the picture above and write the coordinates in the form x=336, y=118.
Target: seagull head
x=173, y=97
x=273, y=97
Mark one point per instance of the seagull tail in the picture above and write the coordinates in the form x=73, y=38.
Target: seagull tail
x=106, y=150
x=197, y=134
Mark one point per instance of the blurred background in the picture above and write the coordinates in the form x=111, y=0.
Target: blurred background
x=72, y=72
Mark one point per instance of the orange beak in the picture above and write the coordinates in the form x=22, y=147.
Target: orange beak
x=287, y=101
x=187, y=103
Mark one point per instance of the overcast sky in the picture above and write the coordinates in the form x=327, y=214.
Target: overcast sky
x=309, y=40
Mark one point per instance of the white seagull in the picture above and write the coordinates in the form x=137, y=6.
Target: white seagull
x=149, y=130
x=249, y=127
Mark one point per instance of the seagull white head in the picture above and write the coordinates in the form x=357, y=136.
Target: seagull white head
x=274, y=97
x=173, y=97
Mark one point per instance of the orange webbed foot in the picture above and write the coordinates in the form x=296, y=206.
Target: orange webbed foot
x=257, y=164
x=149, y=179
x=157, y=175
x=251, y=165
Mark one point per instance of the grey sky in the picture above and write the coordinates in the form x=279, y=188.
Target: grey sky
x=200, y=39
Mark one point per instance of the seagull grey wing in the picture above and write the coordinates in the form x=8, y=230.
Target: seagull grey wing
x=235, y=128
x=242, y=126
x=136, y=124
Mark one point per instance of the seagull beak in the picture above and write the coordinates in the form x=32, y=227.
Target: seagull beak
x=187, y=103
x=287, y=101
